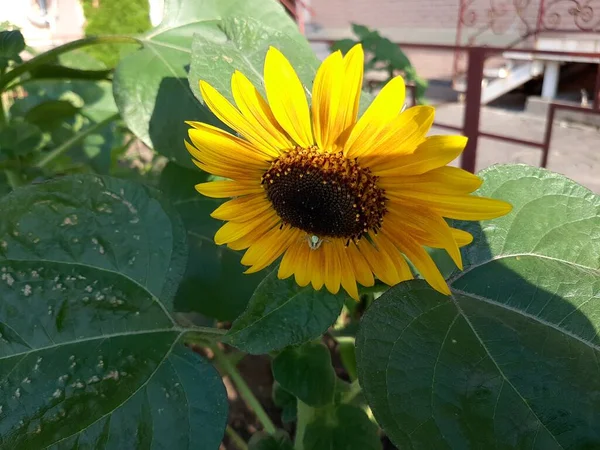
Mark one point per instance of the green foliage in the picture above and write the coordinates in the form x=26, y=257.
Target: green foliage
x=511, y=357
x=382, y=55
x=156, y=102
x=213, y=285
x=105, y=281
x=281, y=313
x=306, y=372
x=114, y=17
x=263, y=441
x=11, y=45
x=341, y=427
x=90, y=347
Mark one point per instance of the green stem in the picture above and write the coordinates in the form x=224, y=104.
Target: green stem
x=304, y=414
x=355, y=389
x=244, y=390
x=203, y=336
x=62, y=148
x=13, y=178
x=50, y=55
x=236, y=438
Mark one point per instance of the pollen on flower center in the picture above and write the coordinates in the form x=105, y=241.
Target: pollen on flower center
x=325, y=194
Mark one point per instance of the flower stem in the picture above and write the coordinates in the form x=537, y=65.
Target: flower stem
x=355, y=389
x=236, y=439
x=304, y=414
x=243, y=389
x=62, y=148
x=50, y=55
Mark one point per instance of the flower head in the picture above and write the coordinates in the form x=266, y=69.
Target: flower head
x=342, y=198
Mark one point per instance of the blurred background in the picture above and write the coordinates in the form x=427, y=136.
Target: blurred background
x=520, y=78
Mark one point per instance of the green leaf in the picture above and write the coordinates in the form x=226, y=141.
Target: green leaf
x=509, y=361
x=245, y=49
x=343, y=45
x=156, y=101
x=51, y=114
x=341, y=427
x=286, y=401
x=263, y=441
x=80, y=220
x=281, y=313
x=306, y=372
x=214, y=284
x=361, y=31
x=91, y=356
x=11, y=45
x=19, y=138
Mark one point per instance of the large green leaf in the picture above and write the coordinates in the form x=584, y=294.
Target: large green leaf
x=214, y=283
x=150, y=85
x=91, y=356
x=281, y=313
x=510, y=360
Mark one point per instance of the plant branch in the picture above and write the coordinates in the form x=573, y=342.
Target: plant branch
x=236, y=439
x=62, y=148
x=243, y=389
x=50, y=55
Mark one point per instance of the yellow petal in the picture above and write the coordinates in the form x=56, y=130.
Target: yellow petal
x=443, y=179
x=225, y=189
x=427, y=227
x=254, y=235
x=289, y=261
x=434, y=152
x=386, y=246
x=423, y=262
x=222, y=170
x=212, y=142
x=326, y=95
x=386, y=106
x=401, y=137
x=287, y=99
x=461, y=207
x=231, y=117
x=302, y=270
x=233, y=231
x=332, y=267
x=461, y=237
x=218, y=166
x=381, y=264
x=362, y=271
x=257, y=112
x=354, y=63
x=336, y=95
x=316, y=262
x=269, y=248
x=347, y=274
x=242, y=209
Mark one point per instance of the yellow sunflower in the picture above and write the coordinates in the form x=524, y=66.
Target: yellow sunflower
x=342, y=198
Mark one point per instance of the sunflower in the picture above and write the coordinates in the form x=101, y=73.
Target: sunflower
x=344, y=199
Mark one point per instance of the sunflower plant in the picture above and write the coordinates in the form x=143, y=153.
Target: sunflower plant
x=309, y=271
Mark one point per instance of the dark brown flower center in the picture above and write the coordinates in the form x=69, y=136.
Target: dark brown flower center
x=325, y=194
